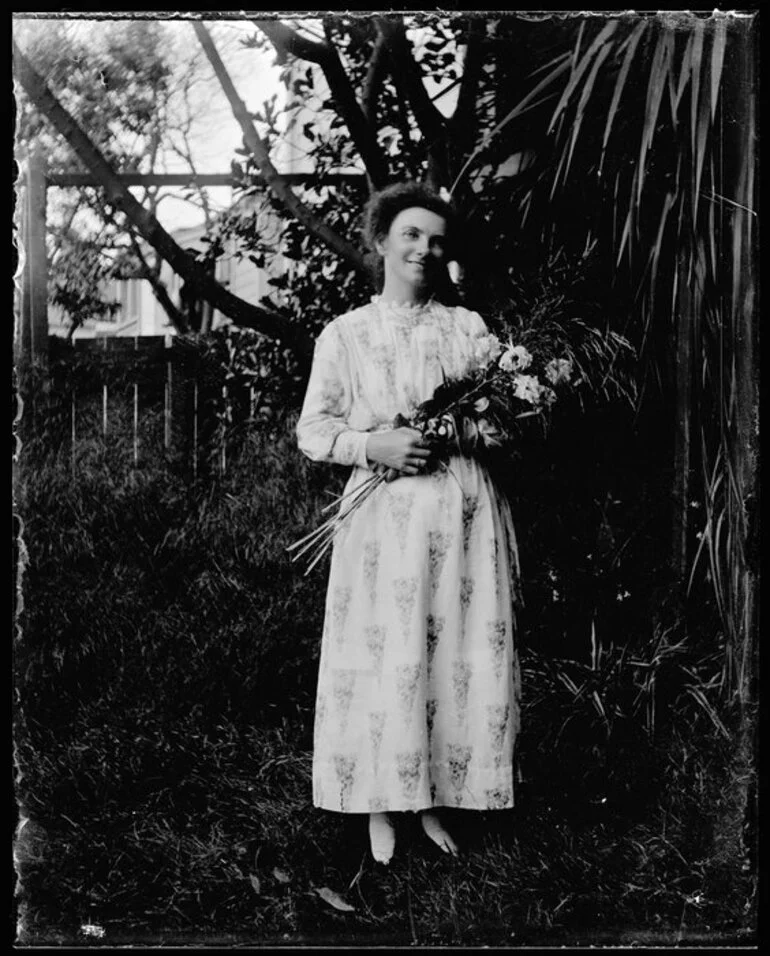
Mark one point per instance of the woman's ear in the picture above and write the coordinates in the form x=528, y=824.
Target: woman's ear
x=379, y=245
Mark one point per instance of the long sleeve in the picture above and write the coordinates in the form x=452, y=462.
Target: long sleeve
x=323, y=433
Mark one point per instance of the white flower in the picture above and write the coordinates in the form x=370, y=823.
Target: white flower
x=558, y=371
x=446, y=427
x=507, y=361
x=515, y=359
x=527, y=388
x=481, y=404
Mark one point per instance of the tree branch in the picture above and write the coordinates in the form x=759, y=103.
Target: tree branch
x=464, y=123
x=275, y=182
x=406, y=73
x=287, y=40
x=267, y=321
x=375, y=73
x=159, y=289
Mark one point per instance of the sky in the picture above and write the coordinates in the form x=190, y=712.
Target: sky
x=217, y=135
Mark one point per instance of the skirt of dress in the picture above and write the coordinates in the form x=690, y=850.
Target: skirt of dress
x=419, y=692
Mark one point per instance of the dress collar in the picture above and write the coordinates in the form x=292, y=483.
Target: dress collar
x=404, y=310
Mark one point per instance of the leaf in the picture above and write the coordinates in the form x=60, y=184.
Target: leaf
x=334, y=899
x=281, y=875
x=717, y=61
x=256, y=885
x=580, y=109
x=659, y=72
x=579, y=68
x=521, y=107
x=633, y=41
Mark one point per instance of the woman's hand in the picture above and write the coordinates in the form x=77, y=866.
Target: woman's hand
x=401, y=450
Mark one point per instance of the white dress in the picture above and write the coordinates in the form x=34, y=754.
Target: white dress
x=418, y=697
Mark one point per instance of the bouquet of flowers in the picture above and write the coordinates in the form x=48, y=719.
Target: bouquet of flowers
x=473, y=416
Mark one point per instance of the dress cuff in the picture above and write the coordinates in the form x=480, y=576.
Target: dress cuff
x=350, y=448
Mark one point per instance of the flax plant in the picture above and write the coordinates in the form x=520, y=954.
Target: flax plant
x=653, y=128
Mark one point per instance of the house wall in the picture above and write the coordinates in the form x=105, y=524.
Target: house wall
x=142, y=314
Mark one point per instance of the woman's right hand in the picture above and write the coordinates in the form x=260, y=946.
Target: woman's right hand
x=401, y=450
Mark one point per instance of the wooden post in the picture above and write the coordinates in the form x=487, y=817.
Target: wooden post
x=34, y=312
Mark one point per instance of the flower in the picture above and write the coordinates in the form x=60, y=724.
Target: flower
x=488, y=433
x=548, y=395
x=558, y=371
x=445, y=427
x=477, y=410
x=527, y=388
x=515, y=359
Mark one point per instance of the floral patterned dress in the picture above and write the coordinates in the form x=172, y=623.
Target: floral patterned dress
x=418, y=695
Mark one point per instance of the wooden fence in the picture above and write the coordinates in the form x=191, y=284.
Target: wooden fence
x=144, y=398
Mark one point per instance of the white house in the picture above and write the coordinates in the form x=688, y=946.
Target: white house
x=142, y=314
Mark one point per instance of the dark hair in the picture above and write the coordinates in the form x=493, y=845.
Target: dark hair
x=383, y=207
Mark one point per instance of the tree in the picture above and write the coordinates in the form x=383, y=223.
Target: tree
x=118, y=82
x=142, y=219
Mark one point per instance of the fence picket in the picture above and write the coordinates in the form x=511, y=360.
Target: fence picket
x=167, y=398
x=104, y=400
x=195, y=429
x=136, y=411
x=72, y=429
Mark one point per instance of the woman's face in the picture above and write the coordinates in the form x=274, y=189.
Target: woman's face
x=413, y=249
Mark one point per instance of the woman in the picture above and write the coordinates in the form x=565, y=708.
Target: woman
x=418, y=691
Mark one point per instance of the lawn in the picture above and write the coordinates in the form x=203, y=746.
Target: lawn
x=164, y=671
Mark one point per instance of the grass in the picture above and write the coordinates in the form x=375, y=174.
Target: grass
x=165, y=675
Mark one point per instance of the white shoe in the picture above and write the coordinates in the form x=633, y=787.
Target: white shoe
x=382, y=837
x=434, y=830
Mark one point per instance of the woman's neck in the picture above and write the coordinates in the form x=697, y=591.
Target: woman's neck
x=402, y=294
